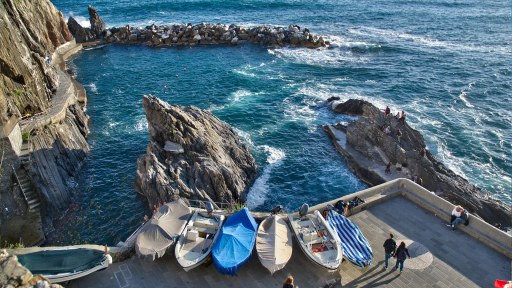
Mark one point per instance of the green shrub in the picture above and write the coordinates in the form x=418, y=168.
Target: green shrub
x=25, y=136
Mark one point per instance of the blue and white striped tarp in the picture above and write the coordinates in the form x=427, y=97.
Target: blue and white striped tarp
x=355, y=247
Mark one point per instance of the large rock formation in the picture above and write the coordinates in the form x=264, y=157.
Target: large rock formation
x=365, y=136
x=13, y=274
x=192, y=154
x=82, y=34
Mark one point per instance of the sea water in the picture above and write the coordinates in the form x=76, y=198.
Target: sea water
x=446, y=63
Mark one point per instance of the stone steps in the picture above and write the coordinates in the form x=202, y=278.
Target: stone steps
x=31, y=195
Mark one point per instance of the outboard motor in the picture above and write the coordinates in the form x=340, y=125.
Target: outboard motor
x=330, y=207
x=209, y=209
x=277, y=209
x=303, y=210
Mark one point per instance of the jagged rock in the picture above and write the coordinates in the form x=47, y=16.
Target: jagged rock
x=81, y=34
x=215, y=165
x=365, y=136
x=97, y=24
x=234, y=41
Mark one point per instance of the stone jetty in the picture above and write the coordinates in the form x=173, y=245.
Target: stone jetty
x=193, y=155
x=190, y=34
x=368, y=149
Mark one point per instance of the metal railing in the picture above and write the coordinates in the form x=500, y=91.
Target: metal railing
x=230, y=207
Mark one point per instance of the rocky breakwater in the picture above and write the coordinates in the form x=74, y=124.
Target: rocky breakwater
x=367, y=143
x=193, y=155
x=36, y=181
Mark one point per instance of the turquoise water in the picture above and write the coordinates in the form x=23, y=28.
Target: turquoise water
x=446, y=63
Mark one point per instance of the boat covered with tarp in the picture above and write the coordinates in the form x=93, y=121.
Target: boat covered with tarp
x=62, y=265
x=274, y=243
x=236, y=240
x=159, y=234
x=357, y=249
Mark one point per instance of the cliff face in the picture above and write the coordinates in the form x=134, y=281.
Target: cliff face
x=192, y=154
x=55, y=148
x=365, y=136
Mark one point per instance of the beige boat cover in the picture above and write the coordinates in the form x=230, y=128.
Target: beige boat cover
x=274, y=243
x=159, y=233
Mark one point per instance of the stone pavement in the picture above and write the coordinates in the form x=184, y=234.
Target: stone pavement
x=441, y=258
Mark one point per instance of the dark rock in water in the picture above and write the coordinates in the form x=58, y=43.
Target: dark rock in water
x=333, y=98
x=365, y=136
x=97, y=24
x=192, y=154
x=81, y=34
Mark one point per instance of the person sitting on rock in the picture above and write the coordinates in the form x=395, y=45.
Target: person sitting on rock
x=388, y=111
x=397, y=115
x=402, y=117
x=383, y=128
x=388, y=168
x=398, y=135
x=387, y=130
x=420, y=182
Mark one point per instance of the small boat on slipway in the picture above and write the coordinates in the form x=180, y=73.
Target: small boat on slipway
x=63, y=265
x=357, y=249
x=274, y=242
x=316, y=238
x=234, y=245
x=159, y=234
x=195, y=244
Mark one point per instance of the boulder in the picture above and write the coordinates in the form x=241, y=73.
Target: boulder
x=132, y=37
x=234, y=41
x=192, y=154
x=97, y=24
x=243, y=36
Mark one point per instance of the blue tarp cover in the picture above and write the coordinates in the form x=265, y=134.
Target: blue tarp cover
x=355, y=246
x=235, y=242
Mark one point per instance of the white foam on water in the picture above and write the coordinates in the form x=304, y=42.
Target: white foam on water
x=141, y=124
x=93, y=88
x=320, y=56
x=259, y=190
x=246, y=137
x=462, y=96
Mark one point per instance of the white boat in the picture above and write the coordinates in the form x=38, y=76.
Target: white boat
x=61, y=265
x=195, y=244
x=317, y=239
x=274, y=243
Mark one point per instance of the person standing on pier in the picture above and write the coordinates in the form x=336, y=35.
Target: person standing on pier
x=389, y=248
x=288, y=283
x=401, y=254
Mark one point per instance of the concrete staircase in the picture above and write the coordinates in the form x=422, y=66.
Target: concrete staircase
x=30, y=194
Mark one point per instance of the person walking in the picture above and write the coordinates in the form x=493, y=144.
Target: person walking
x=388, y=169
x=401, y=254
x=389, y=248
x=288, y=283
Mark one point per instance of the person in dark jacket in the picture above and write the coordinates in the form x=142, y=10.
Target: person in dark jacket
x=388, y=169
x=389, y=248
x=288, y=283
x=400, y=255
x=388, y=111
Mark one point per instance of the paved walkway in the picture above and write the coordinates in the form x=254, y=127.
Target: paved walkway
x=441, y=258
x=64, y=97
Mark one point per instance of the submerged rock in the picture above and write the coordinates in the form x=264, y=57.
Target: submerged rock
x=366, y=137
x=192, y=154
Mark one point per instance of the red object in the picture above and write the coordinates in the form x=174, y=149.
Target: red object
x=320, y=249
x=502, y=284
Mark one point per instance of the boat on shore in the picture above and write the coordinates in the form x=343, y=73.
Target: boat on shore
x=160, y=233
x=236, y=240
x=196, y=242
x=63, y=265
x=357, y=249
x=274, y=242
x=316, y=238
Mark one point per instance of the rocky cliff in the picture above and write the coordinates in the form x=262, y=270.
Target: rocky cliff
x=365, y=135
x=192, y=154
x=41, y=100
